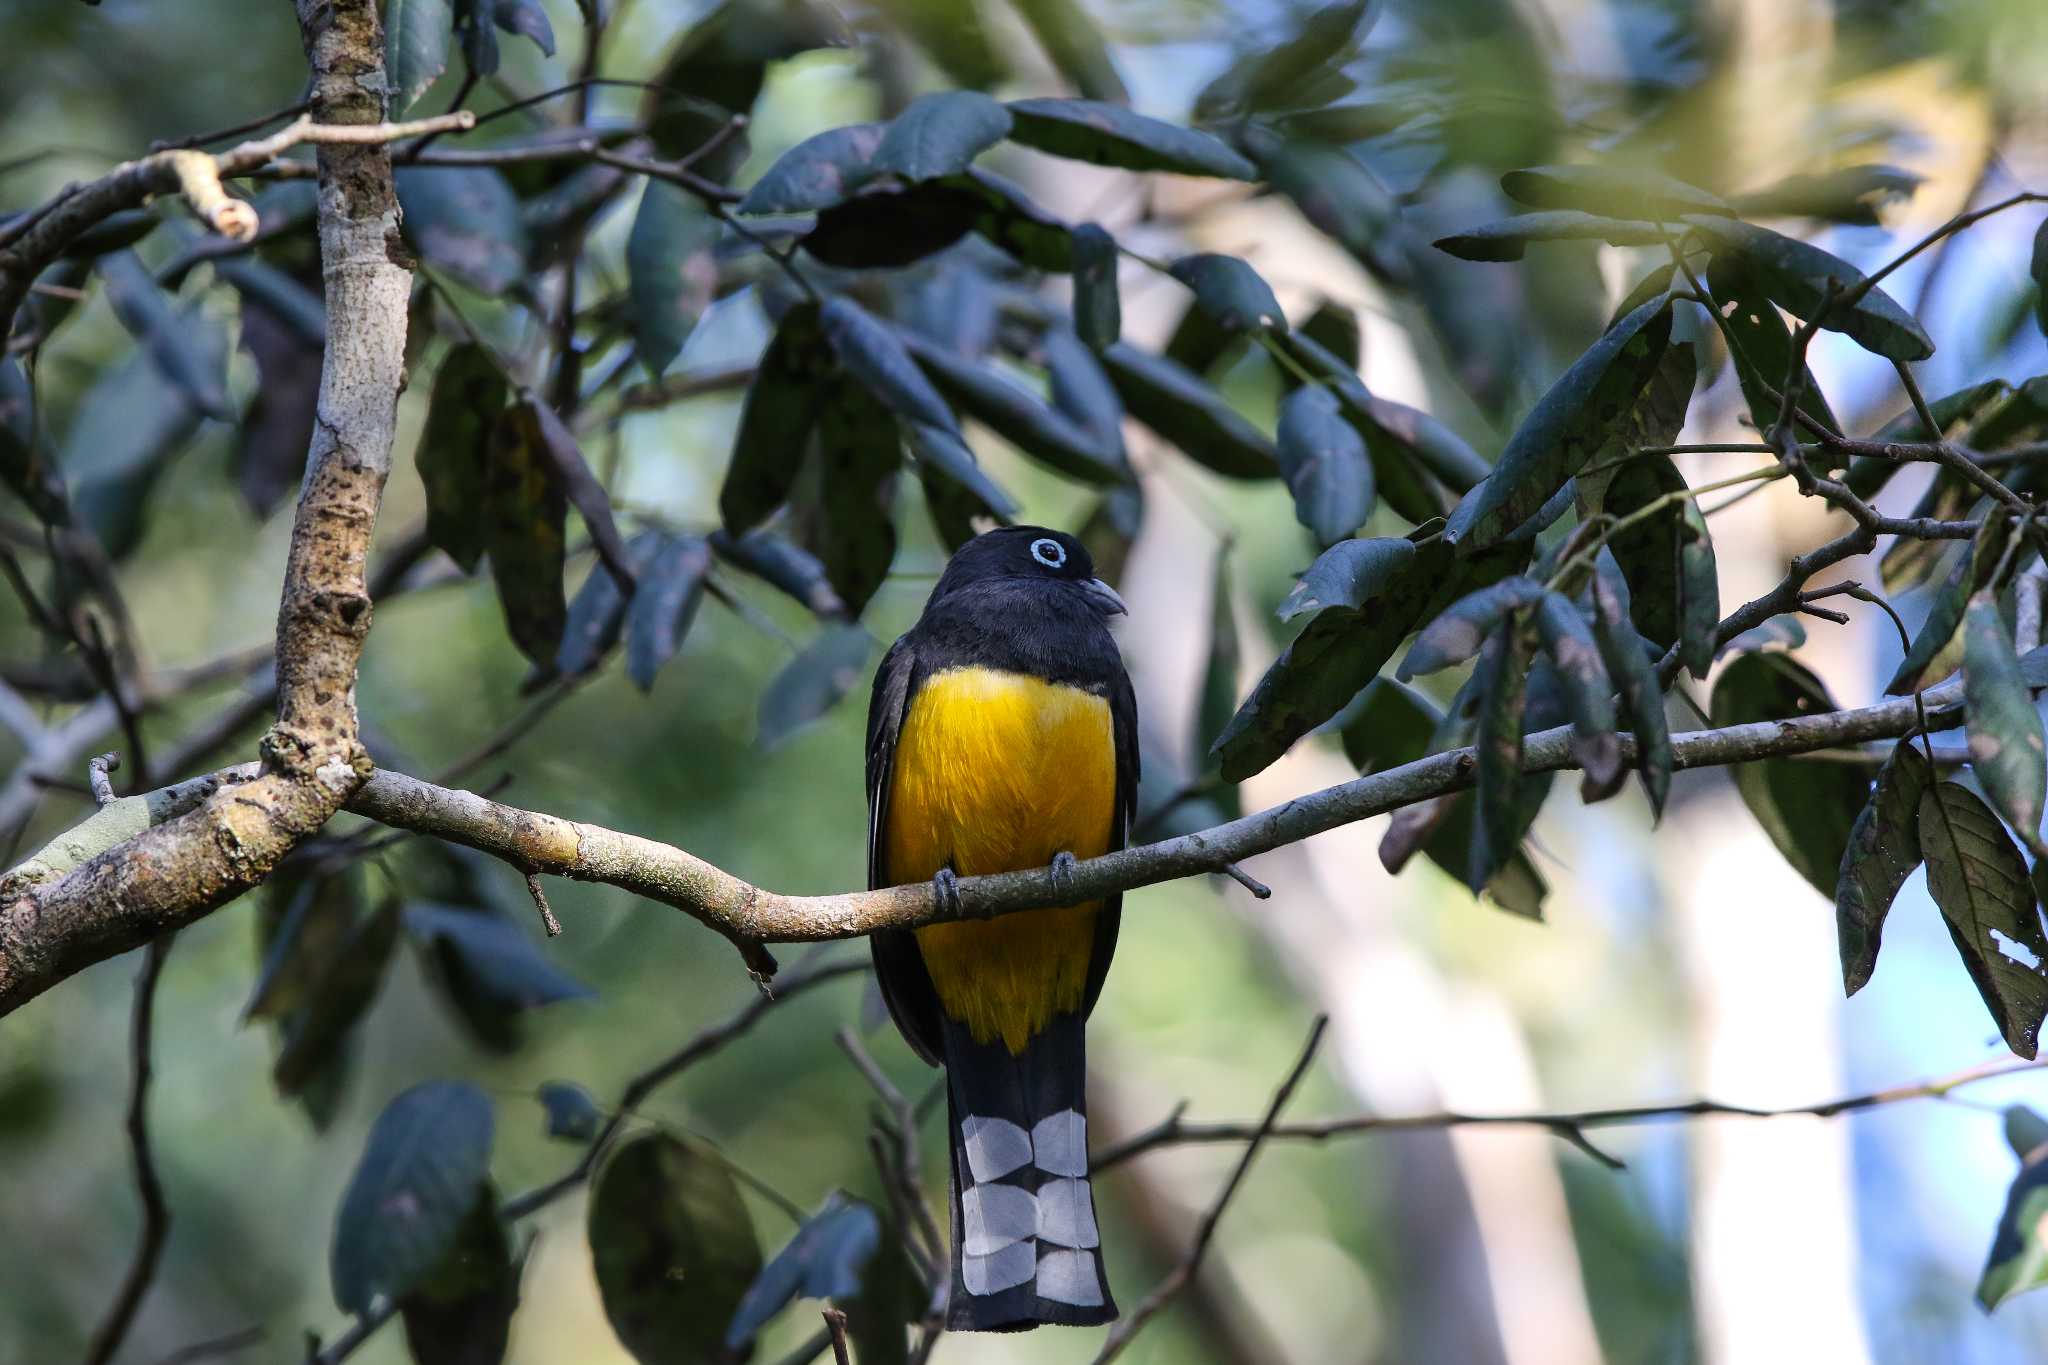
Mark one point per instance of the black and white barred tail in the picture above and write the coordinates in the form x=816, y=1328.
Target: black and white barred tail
x=1026, y=1249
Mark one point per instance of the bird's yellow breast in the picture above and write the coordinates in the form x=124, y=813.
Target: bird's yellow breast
x=997, y=771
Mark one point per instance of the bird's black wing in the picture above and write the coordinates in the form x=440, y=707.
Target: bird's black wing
x=1123, y=721
x=899, y=966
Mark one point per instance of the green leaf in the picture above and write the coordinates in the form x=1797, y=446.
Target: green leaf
x=2039, y=270
x=494, y=954
x=1567, y=425
x=1082, y=392
x=1341, y=198
x=1884, y=848
x=1851, y=195
x=1349, y=574
x=1305, y=71
x=1098, y=312
x=1980, y=882
x=465, y=220
x=1654, y=420
x=597, y=613
x=1508, y=239
x=1933, y=655
x=1401, y=440
x=1007, y=216
x=826, y=1259
x=1023, y=421
x=885, y=229
x=874, y=354
x=461, y=1311
x=1762, y=350
x=2025, y=1131
x=1189, y=414
x=1501, y=678
x=526, y=535
x=1110, y=135
x=1613, y=191
x=572, y=1112
x=1199, y=342
x=574, y=475
x=1323, y=459
x=25, y=464
x=527, y=19
x=1808, y=809
x=2007, y=749
x=1390, y=727
x=1457, y=633
x=814, y=682
x=416, y=34
x=1797, y=275
x=1074, y=43
x=670, y=275
x=1231, y=292
x=272, y=291
x=453, y=455
x=1952, y=413
x=1784, y=633
x=2019, y=1251
x=1588, y=692
x=305, y=921
x=953, y=34
x=782, y=565
x=859, y=452
x=1668, y=560
x=1217, y=701
x=939, y=134
x=170, y=337
x=817, y=173
x=1628, y=663
x=1334, y=327
x=943, y=453
x=671, y=586
x=425, y=1159
x=673, y=1248
x=775, y=422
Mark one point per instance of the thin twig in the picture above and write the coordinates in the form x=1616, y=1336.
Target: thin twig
x=102, y=784
x=540, y=903
x=1177, y=1279
x=835, y=1323
x=216, y=1346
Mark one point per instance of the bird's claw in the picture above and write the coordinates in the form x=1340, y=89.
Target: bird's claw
x=1062, y=870
x=946, y=891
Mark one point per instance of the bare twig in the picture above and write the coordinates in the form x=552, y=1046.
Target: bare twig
x=1259, y=889
x=1177, y=1279
x=896, y=1159
x=540, y=903
x=835, y=1323
x=102, y=784
x=216, y=1346
x=156, y=1213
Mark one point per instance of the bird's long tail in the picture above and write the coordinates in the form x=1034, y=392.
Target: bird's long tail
x=1025, y=1248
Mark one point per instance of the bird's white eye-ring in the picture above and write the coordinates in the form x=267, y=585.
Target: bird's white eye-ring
x=1049, y=552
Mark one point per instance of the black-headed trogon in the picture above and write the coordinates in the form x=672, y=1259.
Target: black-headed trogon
x=1003, y=734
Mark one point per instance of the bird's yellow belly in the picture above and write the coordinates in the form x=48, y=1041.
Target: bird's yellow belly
x=993, y=772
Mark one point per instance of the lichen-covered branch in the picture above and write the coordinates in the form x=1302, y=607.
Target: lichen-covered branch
x=175, y=871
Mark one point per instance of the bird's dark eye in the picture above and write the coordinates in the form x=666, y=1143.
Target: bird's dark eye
x=1049, y=552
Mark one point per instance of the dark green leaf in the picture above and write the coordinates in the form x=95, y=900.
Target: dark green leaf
x=416, y=48
x=495, y=953
x=1567, y=425
x=953, y=34
x=2007, y=749
x=479, y=36
x=169, y=336
x=1018, y=418
x=422, y=1165
x=1508, y=239
x=572, y=1113
x=573, y=472
x=461, y=1311
x=671, y=586
x=1797, y=276
x=1784, y=633
x=1231, y=292
x=1189, y=414
x=2019, y=1251
x=313, y=1038
x=277, y=293
x=1199, y=342
x=1668, y=561
x=1397, y=437
x=304, y=924
x=1217, y=701
x=1456, y=634
x=776, y=421
x=1098, y=312
x=939, y=134
x=812, y=683
x=1305, y=71
x=1614, y=191
x=113, y=233
x=1935, y=652
x=1501, y=678
x=469, y=394
x=1390, y=726
x=1007, y=217
x=874, y=354
x=1852, y=194
x=1341, y=198
x=1323, y=459
x=526, y=534
x=1074, y=43
x=1082, y=391
x=1807, y=808
x=2039, y=271
x=25, y=463
x=943, y=453
x=1588, y=691
x=889, y=228
x=1884, y=848
x=2026, y=1132
x=1349, y=574
x=1340, y=651
x=824, y=1260
x=1762, y=350
x=782, y=565
x=527, y=19
x=1952, y=412
x=1110, y=135
x=859, y=452
x=465, y=220
x=1653, y=421
x=817, y=173
x=670, y=276
x=673, y=1248
x=1980, y=882
x=1629, y=664
x=596, y=614
x=1653, y=285
x=1334, y=327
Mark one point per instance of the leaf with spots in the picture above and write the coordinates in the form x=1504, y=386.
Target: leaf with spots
x=1952, y=413
x=525, y=534
x=1349, y=574
x=670, y=275
x=1884, y=848
x=1230, y=292
x=827, y=1258
x=1798, y=276
x=1323, y=459
x=461, y=1311
x=573, y=473
x=874, y=354
x=1501, y=678
x=1588, y=693
x=1628, y=662
x=1189, y=414
x=672, y=1247
x=1098, y=311
x=1458, y=632
x=817, y=173
x=859, y=453
x=672, y=586
x=784, y=565
x=2018, y=1260
x=939, y=134
x=775, y=422
x=1980, y=882
x=2007, y=750
x=416, y=48
x=1568, y=424
x=1667, y=559
x=1936, y=651
x=572, y=1112
x=465, y=220
x=814, y=682
x=1111, y=135
x=453, y=455
x=1807, y=808
x=422, y=1166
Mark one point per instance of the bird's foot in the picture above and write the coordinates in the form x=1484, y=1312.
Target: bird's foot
x=946, y=891
x=1062, y=870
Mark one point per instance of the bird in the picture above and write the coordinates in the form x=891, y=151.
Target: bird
x=1003, y=734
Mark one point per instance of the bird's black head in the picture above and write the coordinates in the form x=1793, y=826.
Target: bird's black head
x=1021, y=555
